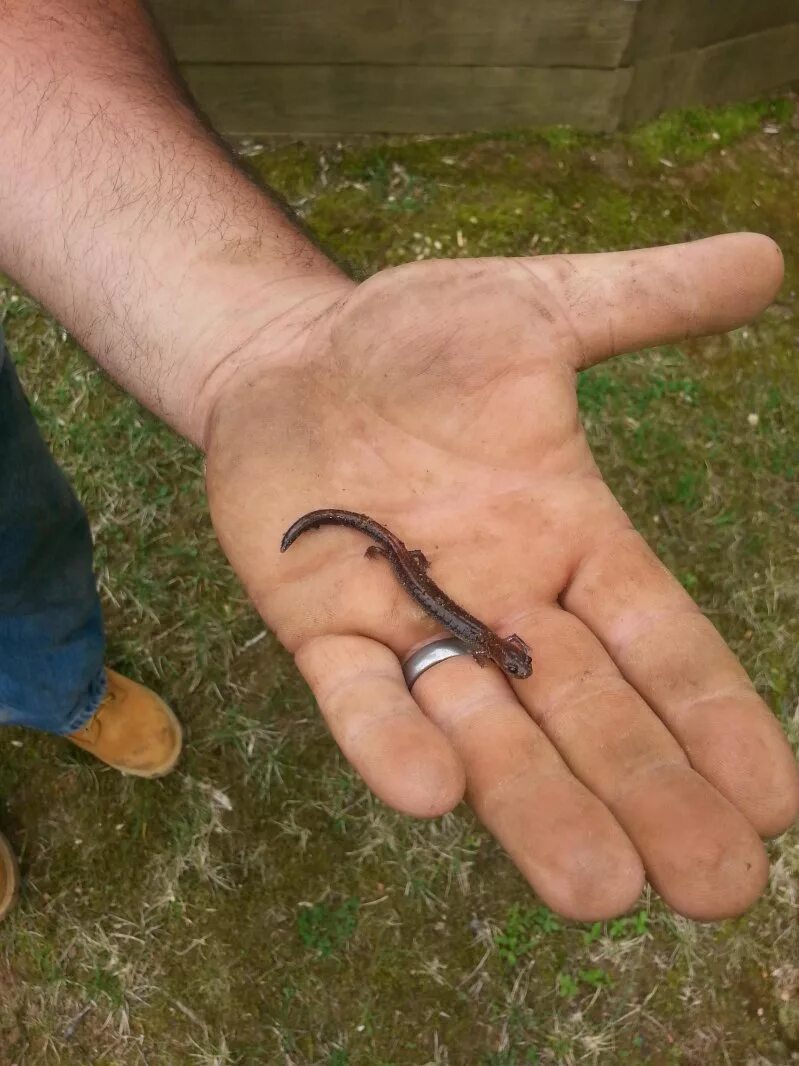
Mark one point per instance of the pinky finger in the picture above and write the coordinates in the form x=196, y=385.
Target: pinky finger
x=403, y=758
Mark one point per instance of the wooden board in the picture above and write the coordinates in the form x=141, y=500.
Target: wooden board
x=731, y=70
x=663, y=27
x=574, y=33
x=361, y=99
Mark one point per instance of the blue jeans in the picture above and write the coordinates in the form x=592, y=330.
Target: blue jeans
x=51, y=628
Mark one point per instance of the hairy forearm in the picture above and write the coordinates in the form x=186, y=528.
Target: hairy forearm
x=125, y=217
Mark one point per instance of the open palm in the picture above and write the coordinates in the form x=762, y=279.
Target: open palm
x=439, y=398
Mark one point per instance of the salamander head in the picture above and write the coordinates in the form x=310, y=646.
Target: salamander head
x=516, y=659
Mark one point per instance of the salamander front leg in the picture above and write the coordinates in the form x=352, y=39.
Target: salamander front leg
x=515, y=642
x=481, y=656
x=375, y=552
x=419, y=558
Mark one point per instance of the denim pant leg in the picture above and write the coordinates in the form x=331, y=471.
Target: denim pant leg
x=51, y=628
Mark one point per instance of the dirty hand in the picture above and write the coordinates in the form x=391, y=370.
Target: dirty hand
x=439, y=398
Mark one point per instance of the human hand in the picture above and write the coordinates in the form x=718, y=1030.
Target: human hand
x=439, y=398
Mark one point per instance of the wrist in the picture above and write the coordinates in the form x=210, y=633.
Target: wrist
x=242, y=320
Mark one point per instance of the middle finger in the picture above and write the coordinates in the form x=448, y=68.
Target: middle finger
x=560, y=836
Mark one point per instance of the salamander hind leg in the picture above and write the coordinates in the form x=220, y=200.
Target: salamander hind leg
x=374, y=552
x=419, y=558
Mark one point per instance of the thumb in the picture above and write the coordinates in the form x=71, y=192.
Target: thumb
x=623, y=301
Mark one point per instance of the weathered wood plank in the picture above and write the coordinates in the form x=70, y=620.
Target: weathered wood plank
x=664, y=27
x=731, y=70
x=575, y=33
x=395, y=99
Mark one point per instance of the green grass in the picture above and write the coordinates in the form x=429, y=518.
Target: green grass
x=323, y=927
x=259, y=906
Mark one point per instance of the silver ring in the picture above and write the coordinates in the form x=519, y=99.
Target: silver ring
x=429, y=655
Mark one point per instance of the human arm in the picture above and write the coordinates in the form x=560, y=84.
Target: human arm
x=438, y=397
x=129, y=220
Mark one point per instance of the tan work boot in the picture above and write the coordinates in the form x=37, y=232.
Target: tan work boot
x=9, y=878
x=132, y=730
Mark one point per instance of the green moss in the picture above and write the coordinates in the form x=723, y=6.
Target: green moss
x=688, y=135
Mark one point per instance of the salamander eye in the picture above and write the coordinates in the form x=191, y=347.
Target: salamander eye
x=519, y=669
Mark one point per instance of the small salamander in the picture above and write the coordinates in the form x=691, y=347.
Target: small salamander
x=510, y=654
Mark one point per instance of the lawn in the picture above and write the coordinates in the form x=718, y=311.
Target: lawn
x=259, y=906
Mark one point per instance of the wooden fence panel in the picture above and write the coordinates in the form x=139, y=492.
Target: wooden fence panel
x=664, y=27
x=574, y=33
x=359, y=99
x=355, y=66
x=731, y=70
